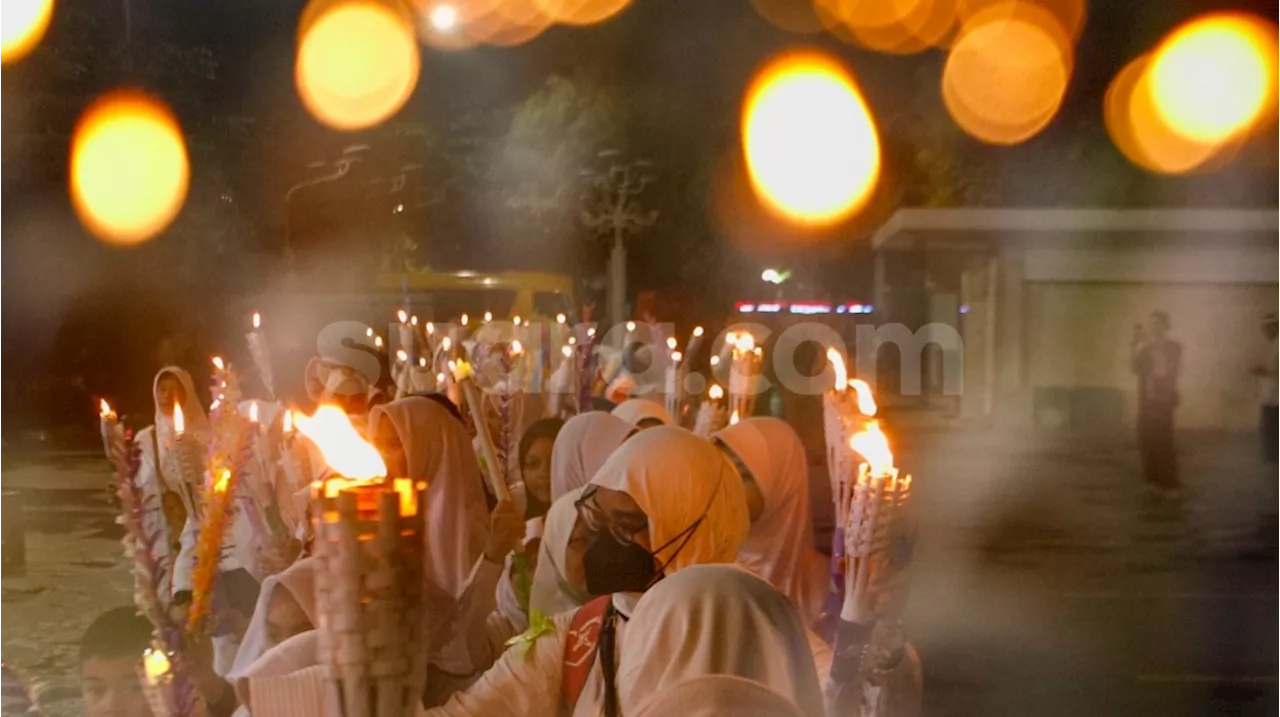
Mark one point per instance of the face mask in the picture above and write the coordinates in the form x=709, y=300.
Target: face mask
x=612, y=567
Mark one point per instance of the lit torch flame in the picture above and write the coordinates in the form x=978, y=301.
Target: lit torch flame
x=465, y=319
x=105, y=410
x=671, y=343
x=257, y=320
x=837, y=362
x=179, y=420
x=567, y=351
x=516, y=347
x=219, y=364
x=873, y=446
x=287, y=422
x=733, y=418
x=715, y=393
x=253, y=411
x=631, y=326
x=402, y=315
x=866, y=399
x=340, y=443
x=224, y=478
x=402, y=355
x=561, y=318
x=155, y=664
x=488, y=316
x=676, y=356
x=697, y=332
x=746, y=342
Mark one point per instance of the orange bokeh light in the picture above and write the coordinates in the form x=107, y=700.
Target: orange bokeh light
x=1140, y=133
x=357, y=61
x=1212, y=78
x=1070, y=14
x=1007, y=73
x=891, y=26
x=810, y=143
x=582, y=12
x=24, y=24
x=129, y=169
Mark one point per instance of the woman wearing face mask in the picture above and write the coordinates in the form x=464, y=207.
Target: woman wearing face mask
x=159, y=472
x=687, y=503
x=771, y=459
x=748, y=654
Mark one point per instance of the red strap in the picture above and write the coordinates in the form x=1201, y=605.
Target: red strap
x=580, y=648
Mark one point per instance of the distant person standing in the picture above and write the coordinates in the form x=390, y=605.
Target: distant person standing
x=1268, y=389
x=1156, y=360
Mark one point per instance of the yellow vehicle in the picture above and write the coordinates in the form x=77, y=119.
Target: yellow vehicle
x=446, y=295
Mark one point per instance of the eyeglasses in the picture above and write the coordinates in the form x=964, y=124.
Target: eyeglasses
x=598, y=521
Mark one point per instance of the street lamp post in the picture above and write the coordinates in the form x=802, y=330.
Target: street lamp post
x=614, y=209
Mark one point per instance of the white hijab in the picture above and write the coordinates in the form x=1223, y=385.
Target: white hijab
x=299, y=580
x=582, y=446
x=780, y=546
x=635, y=410
x=691, y=494
x=716, y=696
x=551, y=593
x=438, y=451
x=197, y=423
x=715, y=620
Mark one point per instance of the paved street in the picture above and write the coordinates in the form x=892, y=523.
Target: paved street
x=1044, y=582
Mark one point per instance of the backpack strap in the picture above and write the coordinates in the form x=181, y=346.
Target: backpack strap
x=580, y=647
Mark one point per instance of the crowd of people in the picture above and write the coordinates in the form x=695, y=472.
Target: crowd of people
x=637, y=568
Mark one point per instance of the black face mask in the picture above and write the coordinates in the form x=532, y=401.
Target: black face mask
x=613, y=567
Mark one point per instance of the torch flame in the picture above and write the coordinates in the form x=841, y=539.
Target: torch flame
x=431, y=328
x=155, y=664
x=866, y=399
x=253, y=411
x=287, y=422
x=631, y=326
x=422, y=361
x=464, y=319
x=257, y=320
x=488, y=316
x=591, y=332
x=219, y=364
x=561, y=318
x=716, y=393
x=715, y=360
x=446, y=344
x=733, y=418
x=413, y=320
x=341, y=445
x=402, y=315
x=572, y=340
x=837, y=362
x=179, y=420
x=676, y=356
x=671, y=343
x=104, y=409
x=516, y=320
x=566, y=351
x=873, y=446
x=224, y=478
x=377, y=341
x=746, y=342
x=697, y=331
x=516, y=347
x=402, y=355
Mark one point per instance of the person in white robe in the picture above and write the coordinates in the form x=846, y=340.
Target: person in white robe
x=780, y=548
x=715, y=620
x=582, y=446
x=693, y=512
x=169, y=488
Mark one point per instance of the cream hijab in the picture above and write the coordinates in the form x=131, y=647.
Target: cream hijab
x=551, y=593
x=197, y=423
x=299, y=580
x=780, y=546
x=438, y=451
x=692, y=495
x=582, y=446
x=715, y=620
x=635, y=410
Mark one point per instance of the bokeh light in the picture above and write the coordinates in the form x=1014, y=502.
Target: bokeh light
x=357, y=61
x=891, y=26
x=582, y=12
x=24, y=23
x=1007, y=72
x=129, y=170
x=810, y=143
x=1070, y=14
x=1213, y=77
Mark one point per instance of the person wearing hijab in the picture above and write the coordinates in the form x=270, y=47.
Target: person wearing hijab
x=582, y=446
x=772, y=461
x=286, y=607
x=689, y=508
x=716, y=621
x=642, y=413
x=536, y=447
x=422, y=441
x=160, y=474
